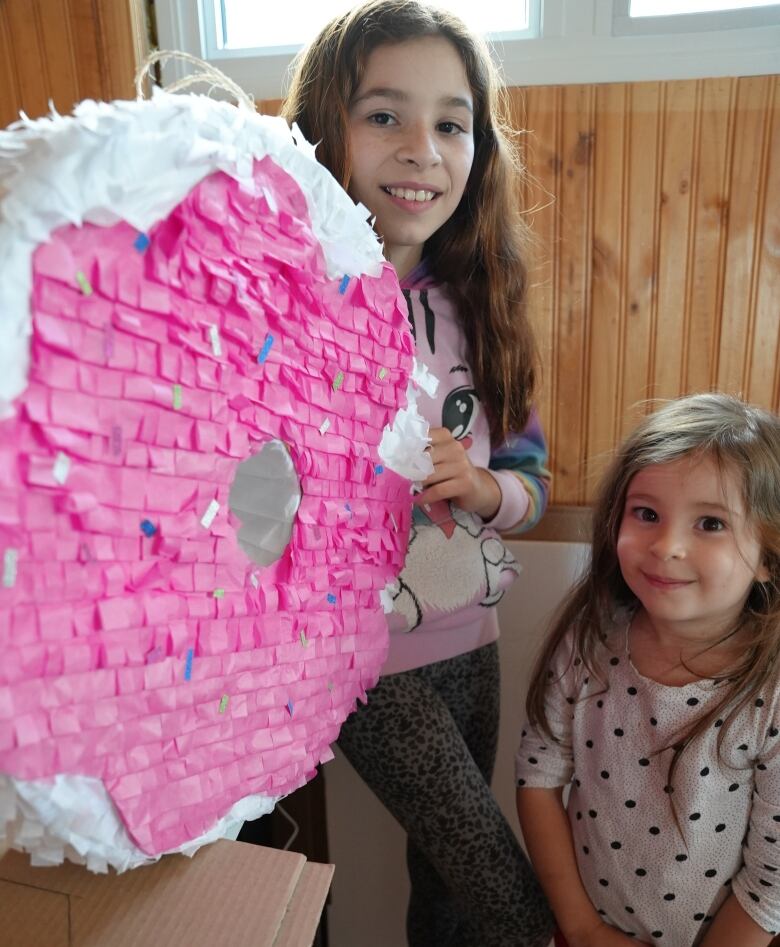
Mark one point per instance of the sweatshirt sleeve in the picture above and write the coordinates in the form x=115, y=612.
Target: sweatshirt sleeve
x=519, y=466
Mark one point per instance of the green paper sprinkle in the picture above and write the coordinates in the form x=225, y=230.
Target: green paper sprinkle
x=84, y=283
x=219, y=593
x=338, y=381
x=223, y=703
x=177, y=397
x=383, y=374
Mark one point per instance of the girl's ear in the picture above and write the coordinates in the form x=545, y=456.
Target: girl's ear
x=762, y=572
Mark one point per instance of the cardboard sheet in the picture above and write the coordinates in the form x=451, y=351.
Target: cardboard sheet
x=228, y=893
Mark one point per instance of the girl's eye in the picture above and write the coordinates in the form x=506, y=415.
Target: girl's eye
x=450, y=128
x=381, y=118
x=645, y=514
x=711, y=524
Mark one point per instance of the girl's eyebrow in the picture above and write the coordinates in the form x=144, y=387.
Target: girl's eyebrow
x=396, y=95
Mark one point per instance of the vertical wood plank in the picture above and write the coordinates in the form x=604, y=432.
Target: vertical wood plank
x=675, y=235
x=764, y=383
x=710, y=189
x=608, y=277
x=27, y=48
x=58, y=59
x=542, y=158
x=641, y=249
x=748, y=190
x=93, y=79
x=574, y=291
x=10, y=93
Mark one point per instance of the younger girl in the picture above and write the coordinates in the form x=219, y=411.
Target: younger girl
x=657, y=695
x=401, y=100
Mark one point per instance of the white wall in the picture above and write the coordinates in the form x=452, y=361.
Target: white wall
x=370, y=888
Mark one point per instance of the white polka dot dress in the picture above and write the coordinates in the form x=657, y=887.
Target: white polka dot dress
x=652, y=876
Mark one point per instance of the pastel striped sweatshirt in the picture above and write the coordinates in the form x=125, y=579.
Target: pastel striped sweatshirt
x=457, y=568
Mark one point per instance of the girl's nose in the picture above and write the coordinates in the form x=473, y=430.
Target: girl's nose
x=419, y=147
x=668, y=544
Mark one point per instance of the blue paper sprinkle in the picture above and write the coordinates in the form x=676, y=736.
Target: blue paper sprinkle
x=188, y=665
x=148, y=528
x=290, y=706
x=263, y=355
x=379, y=469
x=344, y=284
x=331, y=598
x=141, y=242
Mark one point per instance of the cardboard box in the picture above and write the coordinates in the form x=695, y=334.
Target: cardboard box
x=229, y=893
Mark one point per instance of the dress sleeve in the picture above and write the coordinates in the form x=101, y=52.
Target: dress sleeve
x=540, y=761
x=757, y=886
x=519, y=467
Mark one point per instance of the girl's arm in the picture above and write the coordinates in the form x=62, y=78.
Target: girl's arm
x=548, y=839
x=733, y=926
x=520, y=467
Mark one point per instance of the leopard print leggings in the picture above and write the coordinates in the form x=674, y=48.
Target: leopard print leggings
x=425, y=744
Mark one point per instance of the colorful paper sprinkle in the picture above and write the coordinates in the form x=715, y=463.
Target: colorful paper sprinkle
x=324, y=426
x=254, y=580
x=10, y=559
x=290, y=707
x=338, y=381
x=383, y=373
x=343, y=285
x=379, y=469
x=141, y=242
x=393, y=521
x=116, y=440
x=223, y=704
x=188, y=664
x=331, y=598
x=148, y=528
x=330, y=686
x=216, y=342
x=263, y=354
x=219, y=593
x=348, y=508
x=61, y=468
x=84, y=284
x=176, y=397
x=208, y=517
x=304, y=639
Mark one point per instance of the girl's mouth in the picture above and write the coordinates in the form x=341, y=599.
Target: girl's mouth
x=411, y=195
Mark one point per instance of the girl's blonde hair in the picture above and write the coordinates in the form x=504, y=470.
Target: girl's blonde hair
x=739, y=437
x=480, y=251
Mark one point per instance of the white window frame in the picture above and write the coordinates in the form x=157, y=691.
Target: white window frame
x=626, y=25
x=577, y=43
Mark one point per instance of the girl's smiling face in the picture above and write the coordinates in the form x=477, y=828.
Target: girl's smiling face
x=411, y=142
x=686, y=547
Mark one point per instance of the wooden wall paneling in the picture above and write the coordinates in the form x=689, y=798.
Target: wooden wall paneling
x=58, y=52
x=573, y=291
x=641, y=250
x=27, y=55
x=540, y=113
x=8, y=78
x=710, y=194
x=608, y=275
x=88, y=39
x=764, y=386
x=67, y=50
x=746, y=215
x=675, y=238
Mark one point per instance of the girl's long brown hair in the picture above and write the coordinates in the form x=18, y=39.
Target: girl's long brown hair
x=479, y=253
x=739, y=437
